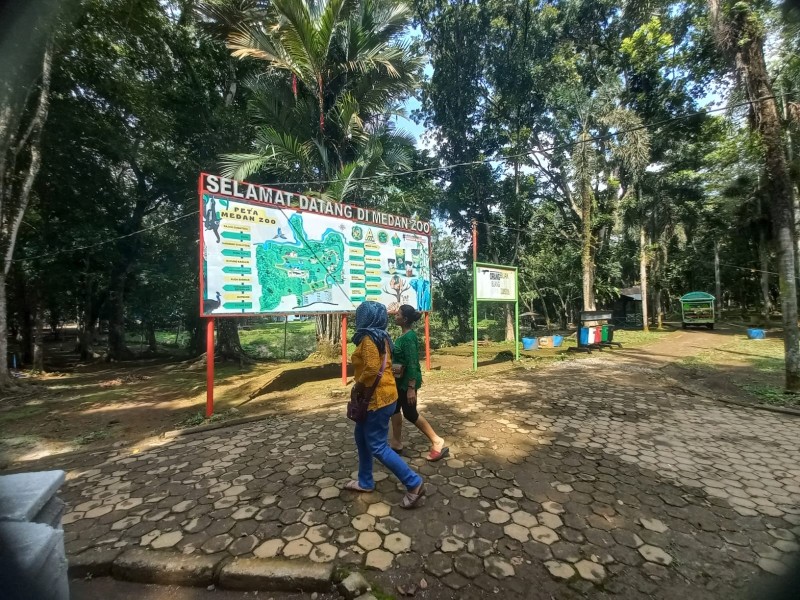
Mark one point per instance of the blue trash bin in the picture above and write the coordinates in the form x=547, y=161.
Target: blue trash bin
x=583, y=337
x=529, y=343
x=557, y=341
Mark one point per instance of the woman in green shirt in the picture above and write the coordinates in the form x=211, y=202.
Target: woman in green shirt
x=409, y=379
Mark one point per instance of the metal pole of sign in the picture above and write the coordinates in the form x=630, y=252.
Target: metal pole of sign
x=209, y=368
x=285, y=328
x=516, y=316
x=474, y=296
x=428, y=341
x=344, y=349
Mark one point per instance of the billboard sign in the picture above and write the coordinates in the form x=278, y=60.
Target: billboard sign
x=495, y=283
x=266, y=251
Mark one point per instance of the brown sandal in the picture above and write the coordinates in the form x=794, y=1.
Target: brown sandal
x=410, y=500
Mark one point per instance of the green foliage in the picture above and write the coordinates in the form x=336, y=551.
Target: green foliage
x=649, y=46
x=335, y=72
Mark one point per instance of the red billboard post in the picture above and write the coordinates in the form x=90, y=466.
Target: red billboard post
x=209, y=368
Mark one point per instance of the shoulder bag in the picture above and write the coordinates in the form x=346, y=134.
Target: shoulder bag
x=358, y=405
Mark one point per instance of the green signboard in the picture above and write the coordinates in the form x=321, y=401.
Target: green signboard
x=493, y=283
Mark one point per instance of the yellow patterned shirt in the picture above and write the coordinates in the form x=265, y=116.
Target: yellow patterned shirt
x=366, y=363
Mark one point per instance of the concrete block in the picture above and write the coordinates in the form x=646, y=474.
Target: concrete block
x=33, y=562
x=353, y=586
x=51, y=513
x=23, y=495
x=275, y=574
x=148, y=566
x=53, y=578
x=28, y=545
x=94, y=562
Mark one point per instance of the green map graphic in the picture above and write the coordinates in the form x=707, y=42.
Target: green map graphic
x=300, y=268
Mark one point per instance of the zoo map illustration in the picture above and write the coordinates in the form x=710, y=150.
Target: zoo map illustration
x=261, y=259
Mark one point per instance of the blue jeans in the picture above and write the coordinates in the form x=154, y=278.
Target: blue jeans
x=371, y=441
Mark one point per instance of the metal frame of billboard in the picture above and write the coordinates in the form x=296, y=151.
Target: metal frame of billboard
x=237, y=185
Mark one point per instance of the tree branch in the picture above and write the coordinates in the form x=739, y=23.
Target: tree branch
x=37, y=124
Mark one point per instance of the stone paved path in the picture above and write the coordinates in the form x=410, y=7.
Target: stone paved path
x=587, y=479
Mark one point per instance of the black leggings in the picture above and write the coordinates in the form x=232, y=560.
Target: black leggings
x=409, y=410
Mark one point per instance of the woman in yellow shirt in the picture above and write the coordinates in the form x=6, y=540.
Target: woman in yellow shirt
x=374, y=350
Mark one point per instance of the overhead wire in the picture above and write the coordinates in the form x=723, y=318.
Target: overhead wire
x=447, y=167
x=104, y=242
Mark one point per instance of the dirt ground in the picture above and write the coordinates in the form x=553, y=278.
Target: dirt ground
x=84, y=406
x=79, y=406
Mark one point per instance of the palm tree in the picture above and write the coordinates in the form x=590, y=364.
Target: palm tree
x=337, y=70
x=631, y=148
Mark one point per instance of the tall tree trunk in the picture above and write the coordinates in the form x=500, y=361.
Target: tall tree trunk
x=13, y=201
x=643, y=275
x=117, y=349
x=463, y=327
x=510, y=325
x=229, y=346
x=28, y=318
x=587, y=258
x=564, y=312
x=152, y=343
x=658, y=309
x=197, y=337
x=740, y=34
x=86, y=324
x=329, y=334
x=5, y=375
x=38, y=341
x=763, y=259
x=717, y=280
x=544, y=304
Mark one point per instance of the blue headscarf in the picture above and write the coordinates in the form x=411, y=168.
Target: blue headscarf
x=372, y=320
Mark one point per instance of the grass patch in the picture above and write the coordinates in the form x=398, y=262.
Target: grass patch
x=267, y=341
x=379, y=594
x=20, y=413
x=199, y=418
x=763, y=356
x=340, y=573
x=19, y=441
x=772, y=395
x=698, y=361
x=637, y=337
x=90, y=437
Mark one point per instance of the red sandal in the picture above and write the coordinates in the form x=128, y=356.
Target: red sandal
x=435, y=455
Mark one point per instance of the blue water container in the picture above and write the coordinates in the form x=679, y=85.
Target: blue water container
x=557, y=340
x=756, y=334
x=529, y=343
x=583, y=337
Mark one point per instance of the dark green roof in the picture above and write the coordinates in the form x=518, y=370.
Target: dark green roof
x=697, y=296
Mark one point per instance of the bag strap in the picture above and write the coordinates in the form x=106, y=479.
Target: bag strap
x=378, y=378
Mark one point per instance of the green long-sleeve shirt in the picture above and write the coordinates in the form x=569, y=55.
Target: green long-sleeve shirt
x=406, y=353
